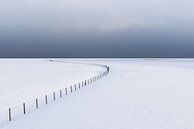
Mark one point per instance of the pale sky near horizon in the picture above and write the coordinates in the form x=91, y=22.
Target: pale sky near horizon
x=96, y=28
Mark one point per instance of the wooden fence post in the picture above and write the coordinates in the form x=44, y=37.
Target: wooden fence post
x=36, y=103
x=79, y=85
x=24, y=108
x=54, y=96
x=61, y=94
x=46, y=99
x=9, y=114
x=75, y=86
x=66, y=91
x=71, y=89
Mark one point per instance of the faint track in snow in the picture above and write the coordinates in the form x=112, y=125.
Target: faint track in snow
x=94, y=64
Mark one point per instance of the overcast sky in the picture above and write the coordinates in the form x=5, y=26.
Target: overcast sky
x=96, y=28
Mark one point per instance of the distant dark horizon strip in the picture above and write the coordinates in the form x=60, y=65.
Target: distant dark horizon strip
x=189, y=57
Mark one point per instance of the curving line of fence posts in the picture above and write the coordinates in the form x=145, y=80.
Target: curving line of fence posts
x=57, y=94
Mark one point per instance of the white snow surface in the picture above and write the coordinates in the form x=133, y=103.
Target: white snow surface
x=24, y=80
x=137, y=94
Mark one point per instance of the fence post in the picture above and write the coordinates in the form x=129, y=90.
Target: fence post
x=54, y=96
x=75, y=86
x=60, y=93
x=36, y=103
x=79, y=85
x=24, y=108
x=71, y=89
x=66, y=91
x=9, y=114
x=46, y=99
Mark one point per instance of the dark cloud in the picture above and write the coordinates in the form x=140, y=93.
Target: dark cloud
x=90, y=28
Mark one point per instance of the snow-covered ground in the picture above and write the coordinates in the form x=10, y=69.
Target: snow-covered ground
x=137, y=94
x=24, y=80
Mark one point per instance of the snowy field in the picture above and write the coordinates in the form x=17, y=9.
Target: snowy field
x=24, y=80
x=137, y=94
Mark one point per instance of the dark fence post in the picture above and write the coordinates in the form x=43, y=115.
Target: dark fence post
x=36, y=103
x=60, y=93
x=24, y=108
x=46, y=99
x=75, y=87
x=9, y=114
x=66, y=91
x=71, y=89
x=54, y=96
x=79, y=85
